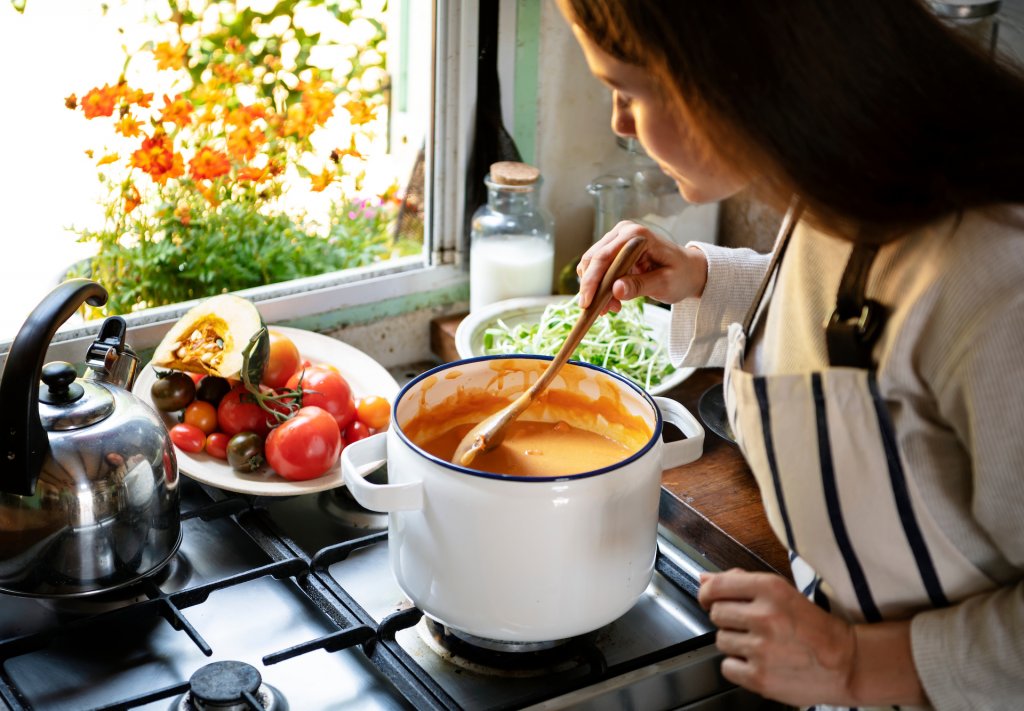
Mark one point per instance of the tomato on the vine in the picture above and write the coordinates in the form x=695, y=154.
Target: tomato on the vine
x=238, y=412
x=374, y=411
x=305, y=446
x=201, y=414
x=356, y=431
x=188, y=438
x=283, y=361
x=326, y=389
x=217, y=445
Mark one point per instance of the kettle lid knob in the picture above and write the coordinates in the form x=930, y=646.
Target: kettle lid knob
x=61, y=388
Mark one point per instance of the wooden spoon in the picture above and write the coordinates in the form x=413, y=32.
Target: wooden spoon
x=491, y=431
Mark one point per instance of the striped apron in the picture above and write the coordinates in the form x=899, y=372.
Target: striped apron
x=821, y=445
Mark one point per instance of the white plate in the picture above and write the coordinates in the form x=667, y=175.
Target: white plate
x=470, y=333
x=364, y=375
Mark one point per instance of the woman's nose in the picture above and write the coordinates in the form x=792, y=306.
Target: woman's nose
x=622, y=119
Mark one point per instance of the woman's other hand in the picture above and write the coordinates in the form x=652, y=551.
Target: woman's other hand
x=666, y=271
x=781, y=645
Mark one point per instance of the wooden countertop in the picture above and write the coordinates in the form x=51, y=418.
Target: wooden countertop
x=712, y=504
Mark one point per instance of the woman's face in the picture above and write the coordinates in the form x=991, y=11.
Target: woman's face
x=642, y=110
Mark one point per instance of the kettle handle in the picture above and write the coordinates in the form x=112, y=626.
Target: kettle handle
x=23, y=441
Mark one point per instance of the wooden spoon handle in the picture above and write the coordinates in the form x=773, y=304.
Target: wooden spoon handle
x=620, y=266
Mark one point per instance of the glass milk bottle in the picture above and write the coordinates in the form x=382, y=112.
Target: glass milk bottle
x=511, y=252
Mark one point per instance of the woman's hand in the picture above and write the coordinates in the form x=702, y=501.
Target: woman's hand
x=665, y=271
x=777, y=642
x=781, y=645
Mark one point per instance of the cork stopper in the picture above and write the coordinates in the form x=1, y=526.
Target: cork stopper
x=508, y=172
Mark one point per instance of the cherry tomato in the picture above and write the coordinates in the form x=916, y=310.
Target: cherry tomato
x=172, y=391
x=374, y=411
x=217, y=445
x=283, y=361
x=245, y=452
x=188, y=438
x=238, y=412
x=326, y=389
x=201, y=414
x=305, y=446
x=356, y=431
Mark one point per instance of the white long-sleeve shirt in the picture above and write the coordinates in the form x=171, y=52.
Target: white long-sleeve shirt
x=951, y=371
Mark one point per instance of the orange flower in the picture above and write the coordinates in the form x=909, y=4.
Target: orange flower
x=128, y=126
x=319, y=103
x=71, y=101
x=360, y=112
x=132, y=199
x=252, y=174
x=100, y=101
x=170, y=57
x=158, y=159
x=338, y=153
x=177, y=111
x=320, y=182
x=244, y=115
x=208, y=163
x=234, y=45
x=297, y=122
x=107, y=159
x=208, y=192
x=137, y=96
x=184, y=214
x=243, y=143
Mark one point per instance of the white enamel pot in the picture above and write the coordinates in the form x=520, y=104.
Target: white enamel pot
x=520, y=559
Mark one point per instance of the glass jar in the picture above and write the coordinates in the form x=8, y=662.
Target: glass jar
x=511, y=252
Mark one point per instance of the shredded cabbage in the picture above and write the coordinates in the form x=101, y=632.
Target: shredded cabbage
x=622, y=342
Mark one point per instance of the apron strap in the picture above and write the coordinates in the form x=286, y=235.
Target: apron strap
x=792, y=216
x=857, y=322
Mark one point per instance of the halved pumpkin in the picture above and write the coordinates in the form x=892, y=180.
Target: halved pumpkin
x=212, y=338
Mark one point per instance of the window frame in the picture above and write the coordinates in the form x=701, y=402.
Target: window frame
x=409, y=282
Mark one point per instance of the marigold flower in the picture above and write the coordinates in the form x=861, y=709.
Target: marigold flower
x=208, y=193
x=251, y=174
x=158, y=159
x=209, y=163
x=137, y=96
x=360, y=112
x=183, y=213
x=131, y=196
x=297, y=122
x=245, y=115
x=100, y=101
x=177, y=111
x=170, y=56
x=71, y=101
x=338, y=153
x=243, y=143
x=321, y=181
x=128, y=127
x=234, y=45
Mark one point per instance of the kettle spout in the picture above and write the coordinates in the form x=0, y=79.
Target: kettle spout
x=111, y=360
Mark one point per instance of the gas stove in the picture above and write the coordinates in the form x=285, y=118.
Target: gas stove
x=288, y=604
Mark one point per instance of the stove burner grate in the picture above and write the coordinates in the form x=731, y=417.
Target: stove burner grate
x=230, y=686
x=340, y=505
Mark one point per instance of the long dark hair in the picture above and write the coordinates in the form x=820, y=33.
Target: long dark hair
x=879, y=116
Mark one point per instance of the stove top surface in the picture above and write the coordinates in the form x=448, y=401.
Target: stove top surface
x=299, y=591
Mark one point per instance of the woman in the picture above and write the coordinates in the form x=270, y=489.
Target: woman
x=873, y=367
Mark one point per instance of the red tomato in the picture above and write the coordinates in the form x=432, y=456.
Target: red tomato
x=305, y=446
x=238, y=412
x=326, y=389
x=374, y=411
x=283, y=361
x=217, y=445
x=201, y=414
x=356, y=431
x=188, y=438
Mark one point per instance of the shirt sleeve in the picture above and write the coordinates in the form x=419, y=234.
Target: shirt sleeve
x=697, y=336
x=971, y=655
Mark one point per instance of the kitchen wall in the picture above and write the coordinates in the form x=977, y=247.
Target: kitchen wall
x=573, y=142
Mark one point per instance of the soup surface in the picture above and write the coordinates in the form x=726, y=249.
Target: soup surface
x=536, y=449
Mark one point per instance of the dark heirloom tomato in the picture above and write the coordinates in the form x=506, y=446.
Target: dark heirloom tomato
x=245, y=452
x=238, y=412
x=172, y=391
x=212, y=389
x=305, y=446
x=325, y=388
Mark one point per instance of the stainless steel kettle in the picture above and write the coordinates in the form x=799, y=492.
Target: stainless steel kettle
x=89, y=496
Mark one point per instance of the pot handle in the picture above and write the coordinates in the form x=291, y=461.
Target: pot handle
x=684, y=451
x=365, y=456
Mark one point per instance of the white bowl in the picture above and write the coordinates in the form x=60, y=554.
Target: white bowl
x=470, y=333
